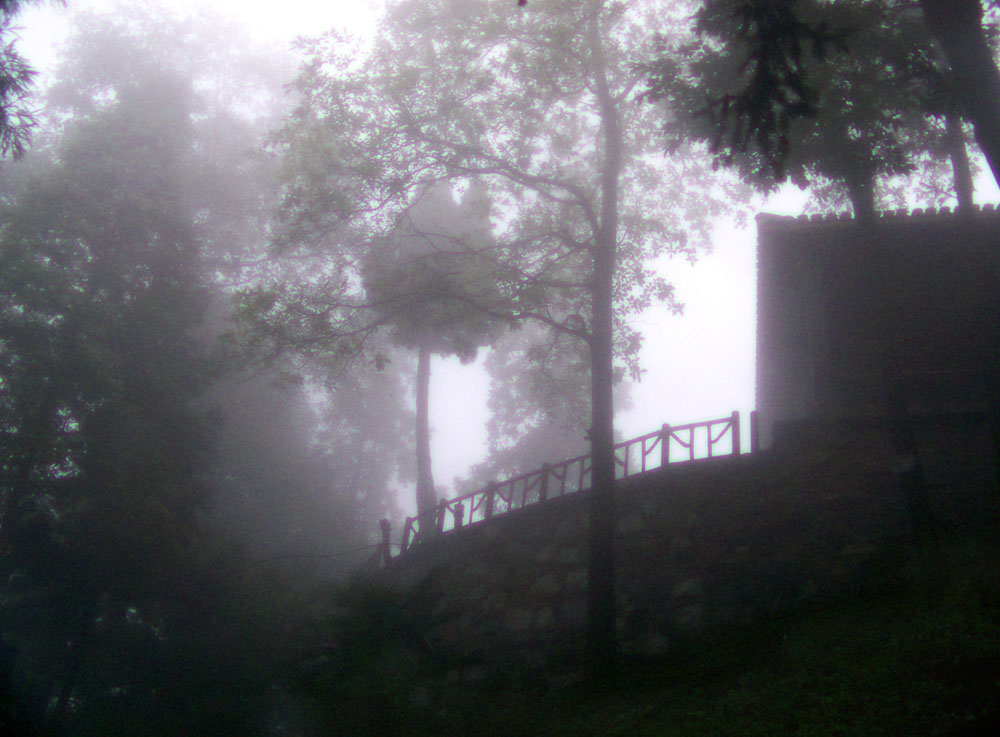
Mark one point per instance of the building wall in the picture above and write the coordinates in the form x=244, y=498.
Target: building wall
x=819, y=310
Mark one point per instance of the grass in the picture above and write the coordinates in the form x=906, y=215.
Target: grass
x=923, y=660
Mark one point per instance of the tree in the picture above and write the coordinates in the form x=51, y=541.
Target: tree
x=846, y=92
x=16, y=78
x=960, y=28
x=859, y=96
x=123, y=614
x=422, y=290
x=537, y=108
x=101, y=455
x=782, y=41
x=538, y=403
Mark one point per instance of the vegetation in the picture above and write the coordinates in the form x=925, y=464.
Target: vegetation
x=209, y=349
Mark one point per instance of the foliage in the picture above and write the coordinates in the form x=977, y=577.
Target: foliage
x=426, y=276
x=378, y=650
x=535, y=108
x=458, y=94
x=539, y=404
x=919, y=658
x=843, y=93
x=302, y=477
x=121, y=614
x=16, y=78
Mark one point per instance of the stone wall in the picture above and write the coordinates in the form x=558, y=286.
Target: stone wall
x=819, y=322
x=699, y=546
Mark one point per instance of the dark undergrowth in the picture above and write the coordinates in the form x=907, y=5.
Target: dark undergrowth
x=921, y=658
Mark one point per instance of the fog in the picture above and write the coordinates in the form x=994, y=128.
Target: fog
x=226, y=259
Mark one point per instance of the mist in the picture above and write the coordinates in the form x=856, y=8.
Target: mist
x=271, y=296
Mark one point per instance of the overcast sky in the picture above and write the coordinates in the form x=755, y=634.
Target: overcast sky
x=699, y=366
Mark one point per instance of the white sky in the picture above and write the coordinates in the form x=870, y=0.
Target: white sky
x=700, y=366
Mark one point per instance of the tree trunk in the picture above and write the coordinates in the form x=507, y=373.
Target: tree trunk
x=955, y=140
x=958, y=27
x=426, y=498
x=601, y=640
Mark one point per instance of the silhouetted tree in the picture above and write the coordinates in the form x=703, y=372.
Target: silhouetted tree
x=536, y=108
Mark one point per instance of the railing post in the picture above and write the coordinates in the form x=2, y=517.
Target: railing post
x=754, y=433
x=491, y=490
x=543, y=485
x=459, y=513
x=735, y=420
x=386, y=550
x=407, y=531
x=441, y=509
x=664, y=445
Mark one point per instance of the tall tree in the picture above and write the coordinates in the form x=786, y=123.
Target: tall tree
x=538, y=402
x=780, y=45
x=16, y=78
x=124, y=616
x=844, y=92
x=424, y=290
x=536, y=107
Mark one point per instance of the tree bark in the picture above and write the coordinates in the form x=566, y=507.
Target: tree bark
x=958, y=27
x=955, y=140
x=601, y=636
x=426, y=498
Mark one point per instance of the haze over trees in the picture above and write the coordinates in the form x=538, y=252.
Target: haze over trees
x=139, y=595
x=219, y=300
x=536, y=110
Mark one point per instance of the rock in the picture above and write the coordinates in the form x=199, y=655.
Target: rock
x=544, y=618
x=576, y=580
x=569, y=555
x=517, y=620
x=547, y=585
x=689, y=617
x=545, y=554
x=630, y=523
x=688, y=588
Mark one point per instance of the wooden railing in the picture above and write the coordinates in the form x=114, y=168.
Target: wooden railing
x=670, y=444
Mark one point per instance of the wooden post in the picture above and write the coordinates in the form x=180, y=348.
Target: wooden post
x=386, y=550
x=735, y=420
x=407, y=530
x=754, y=433
x=441, y=510
x=491, y=490
x=543, y=485
x=459, y=513
x=664, y=445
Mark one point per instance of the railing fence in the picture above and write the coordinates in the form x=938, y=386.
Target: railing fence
x=670, y=444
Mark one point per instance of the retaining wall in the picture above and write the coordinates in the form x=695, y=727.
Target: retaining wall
x=699, y=546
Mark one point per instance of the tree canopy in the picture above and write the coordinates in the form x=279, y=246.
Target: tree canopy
x=536, y=109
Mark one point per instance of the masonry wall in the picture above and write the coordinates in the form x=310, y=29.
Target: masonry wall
x=699, y=546
x=817, y=321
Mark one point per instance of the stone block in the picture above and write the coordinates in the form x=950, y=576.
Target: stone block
x=495, y=602
x=687, y=588
x=573, y=612
x=517, y=620
x=689, y=617
x=569, y=555
x=631, y=523
x=576, y=580
x=545, y=554
x=547, y=585
x=544, y=618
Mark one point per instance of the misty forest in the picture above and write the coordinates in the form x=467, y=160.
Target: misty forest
x=228, y=269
